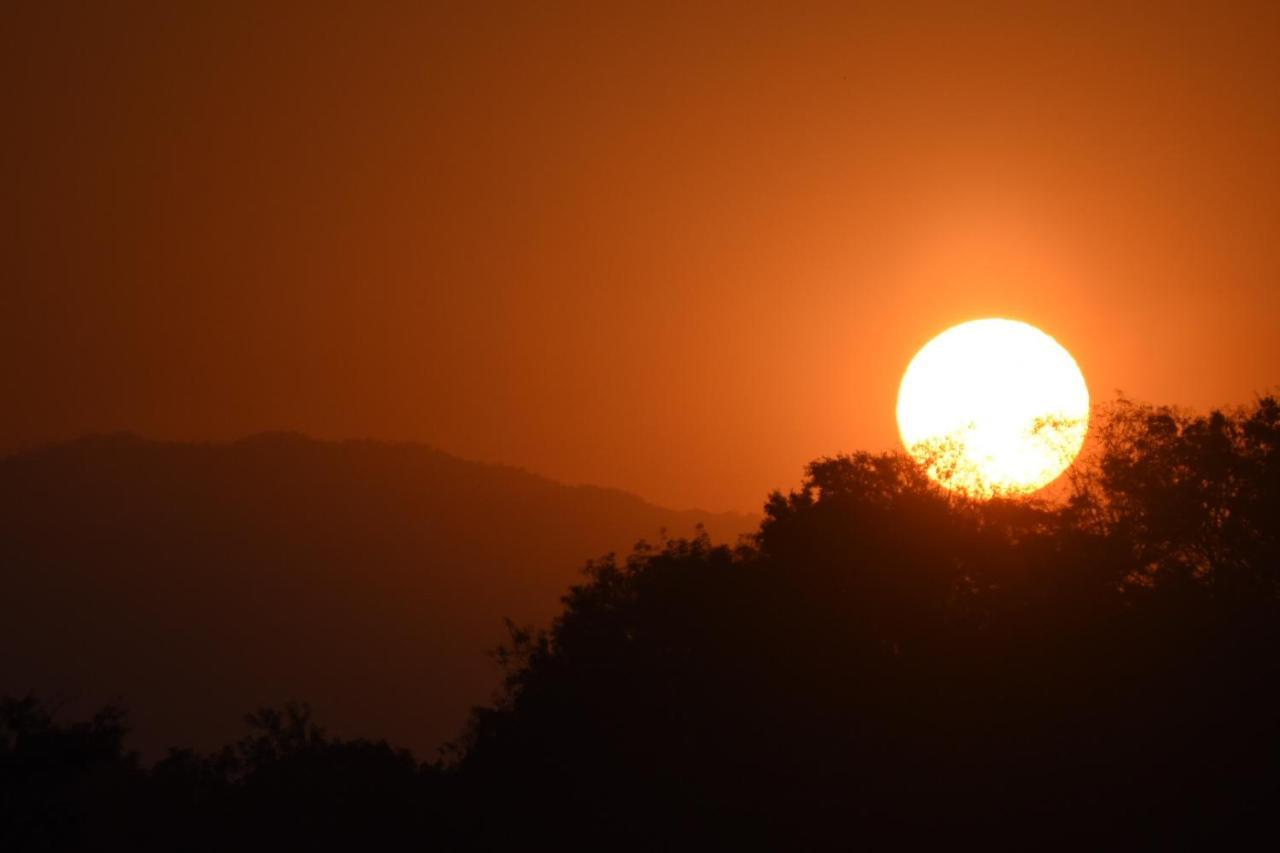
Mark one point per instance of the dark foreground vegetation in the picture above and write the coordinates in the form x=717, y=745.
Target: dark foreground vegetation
x=883, y=664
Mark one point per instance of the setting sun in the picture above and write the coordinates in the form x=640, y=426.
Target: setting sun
x=993, y=407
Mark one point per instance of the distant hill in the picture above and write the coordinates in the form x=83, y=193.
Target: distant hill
x=194, y=582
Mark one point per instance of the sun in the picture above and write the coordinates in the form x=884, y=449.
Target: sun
x=993, y=407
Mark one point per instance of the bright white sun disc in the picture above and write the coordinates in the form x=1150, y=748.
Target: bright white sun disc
x=993, y=407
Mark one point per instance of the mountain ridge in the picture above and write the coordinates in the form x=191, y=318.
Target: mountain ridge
x=202, y=579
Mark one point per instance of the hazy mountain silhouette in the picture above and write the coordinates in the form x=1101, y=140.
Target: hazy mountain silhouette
x=191, y=582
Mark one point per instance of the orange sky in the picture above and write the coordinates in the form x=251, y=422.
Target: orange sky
x=677, y=250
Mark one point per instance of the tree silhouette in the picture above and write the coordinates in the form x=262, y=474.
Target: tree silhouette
x=60, y=784
x=883, y=662
x=892, y=654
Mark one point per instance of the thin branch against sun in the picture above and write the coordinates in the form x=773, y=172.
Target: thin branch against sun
x=993, y=408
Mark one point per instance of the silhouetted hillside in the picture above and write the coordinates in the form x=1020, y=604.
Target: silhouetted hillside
x=194, y=581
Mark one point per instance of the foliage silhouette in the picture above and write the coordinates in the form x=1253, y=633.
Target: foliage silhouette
x=883, y=662
x=61, y=783
x=287, y=784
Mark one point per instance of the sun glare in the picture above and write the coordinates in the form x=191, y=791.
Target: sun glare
x=993, y=407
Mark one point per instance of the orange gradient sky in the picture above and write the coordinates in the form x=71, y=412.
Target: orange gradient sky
x=679, y=249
